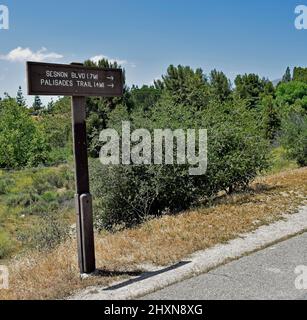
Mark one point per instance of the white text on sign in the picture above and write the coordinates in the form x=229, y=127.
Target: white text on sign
x=82, y=79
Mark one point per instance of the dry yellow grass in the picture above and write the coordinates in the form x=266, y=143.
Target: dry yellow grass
x=160, y=241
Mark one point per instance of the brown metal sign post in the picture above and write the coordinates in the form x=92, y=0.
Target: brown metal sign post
x=77, y=81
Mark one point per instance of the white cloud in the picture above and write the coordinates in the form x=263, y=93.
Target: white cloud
x=25, y=54
x=101, y=56
x=119, y=61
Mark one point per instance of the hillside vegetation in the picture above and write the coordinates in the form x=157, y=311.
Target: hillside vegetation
x=257, y=157
x=36, y=208
x=161, y=241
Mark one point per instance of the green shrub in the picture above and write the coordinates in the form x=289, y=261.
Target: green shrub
x=48, y=190
x=128, y=194
x=50, y=196
x=53, y=179
x=237, y=152
x=59, y=155
x=5, y=184
x=40, y=208
x=22, y=199
x=68, y=177
x=47, y=233
x=44, y=181
x=66, y=197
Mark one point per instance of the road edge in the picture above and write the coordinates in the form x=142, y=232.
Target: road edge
x=202, y=261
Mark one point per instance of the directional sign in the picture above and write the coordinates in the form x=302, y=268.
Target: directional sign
x=77, y=81
x=73, y=80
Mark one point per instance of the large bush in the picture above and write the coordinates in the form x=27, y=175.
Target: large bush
x=125, y=195
x=236, y=153
x=45, y=234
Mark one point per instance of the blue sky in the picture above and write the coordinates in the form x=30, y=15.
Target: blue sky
x=146, y=36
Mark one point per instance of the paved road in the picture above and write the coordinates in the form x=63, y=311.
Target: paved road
x=267, y=274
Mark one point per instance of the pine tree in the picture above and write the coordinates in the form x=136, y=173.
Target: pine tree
x=287, y=76
x=20, y=98
x=99, y=109
x=220, y=86
x=37, y=105
x=50, y=106
x=186, y=86
x=270, y=117
x=250, y=87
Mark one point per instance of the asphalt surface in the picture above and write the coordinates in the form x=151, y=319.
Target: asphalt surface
x=267, y=274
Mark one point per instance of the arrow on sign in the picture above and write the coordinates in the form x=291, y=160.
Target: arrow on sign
x=111, y=85
x=110, y=78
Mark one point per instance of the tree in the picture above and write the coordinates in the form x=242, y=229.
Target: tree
x=20, y=98
x=50, y=106
x=291, y=93
x=220, y=86
x=185, y=86
x=39, y=148
x=237, y=151
x=270, y=118
x=269, y=89
x=250, y=87
x=99, y=109
x=145, y=98
x=294, y=134
x=300, y=74
x=55, y=125
x=287, y=76
x=21, y=141
x=37, y=105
